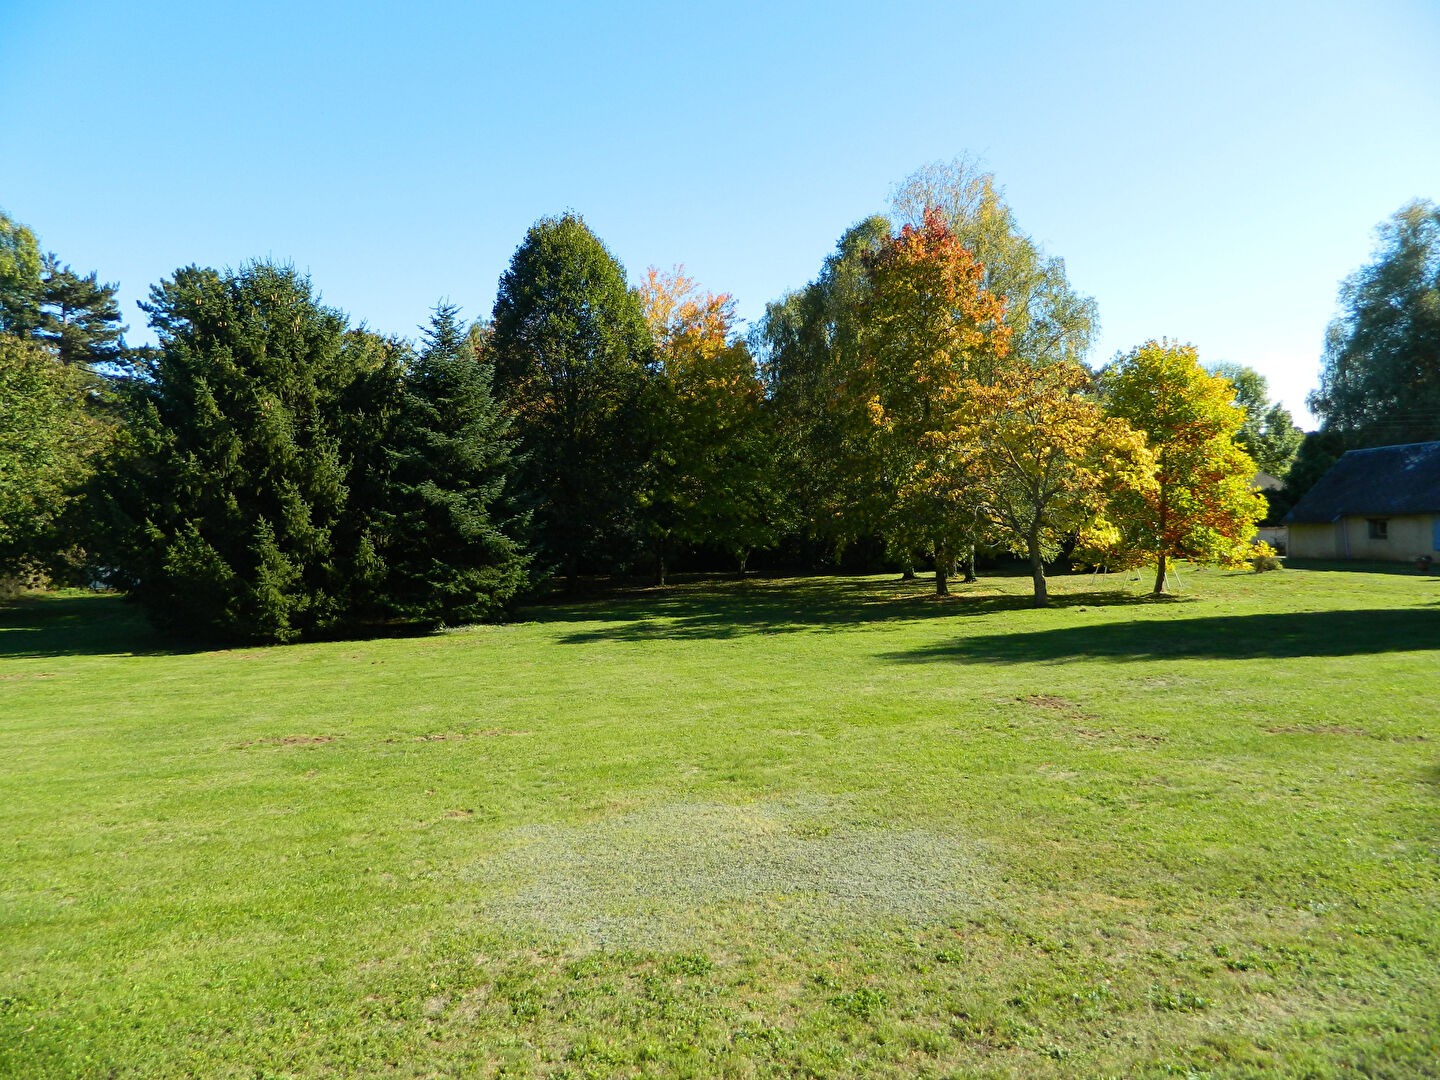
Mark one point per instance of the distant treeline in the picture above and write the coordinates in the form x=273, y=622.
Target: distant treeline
x=270, y=471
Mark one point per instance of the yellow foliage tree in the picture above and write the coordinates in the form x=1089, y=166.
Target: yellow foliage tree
x=1043, y=459
x=1202, y=505
x=708, y=480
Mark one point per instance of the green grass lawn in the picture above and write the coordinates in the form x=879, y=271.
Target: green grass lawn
x=816, y=827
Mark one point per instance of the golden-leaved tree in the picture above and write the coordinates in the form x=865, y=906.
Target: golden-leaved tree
x=1044, y=460
x=1202, y=505
x=710, y=476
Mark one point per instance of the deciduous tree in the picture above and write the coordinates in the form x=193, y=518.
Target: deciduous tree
x=928, y=327
x=1202, y=505
x=711, y=475
x=1380, y=383
x=49, y=438
x=1268, y=434
x=808, y=346
x=1044, y=460
x=1048, y=319
x=20, y=278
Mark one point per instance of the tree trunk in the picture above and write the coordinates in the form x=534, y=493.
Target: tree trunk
x=1164, y=521
x=942, y=573
x=660, y=568
x=1037, y=574
x=970, y=577
x=744, y=560
x=907, y=571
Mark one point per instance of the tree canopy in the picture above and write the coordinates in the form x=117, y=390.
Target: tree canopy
x=572, y=353
x=44, y=300
x=49, y=438
x=1268, y=433
x=234, y=514
x=1380, y=382
x=808, y=346
x=21, y=265
x=711, y=476
x=1202, y=504
x=1047, y=318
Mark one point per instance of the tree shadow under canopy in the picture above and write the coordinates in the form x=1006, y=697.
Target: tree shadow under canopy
x=36, y=627
x=1212, y=637
x=703, y=611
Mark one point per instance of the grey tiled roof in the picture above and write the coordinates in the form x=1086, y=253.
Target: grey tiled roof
x=1377, y=482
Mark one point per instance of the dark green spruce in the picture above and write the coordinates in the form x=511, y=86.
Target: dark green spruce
x=450, y=561
x=231, y=506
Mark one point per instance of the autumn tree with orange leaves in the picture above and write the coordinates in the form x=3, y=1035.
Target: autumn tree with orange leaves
x=709, y=478
x=1202, y=505
x=929, y=329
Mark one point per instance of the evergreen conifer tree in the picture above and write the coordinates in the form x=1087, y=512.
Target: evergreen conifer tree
x=231, y=502
x=572, y=357
x=450, y=561
x=79, y=317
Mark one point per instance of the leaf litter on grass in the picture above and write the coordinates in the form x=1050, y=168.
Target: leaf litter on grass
x=680, y=873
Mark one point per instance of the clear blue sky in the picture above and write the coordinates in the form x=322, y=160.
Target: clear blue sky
x=1209, y=171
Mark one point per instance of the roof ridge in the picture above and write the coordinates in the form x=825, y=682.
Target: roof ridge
x=1393, y=446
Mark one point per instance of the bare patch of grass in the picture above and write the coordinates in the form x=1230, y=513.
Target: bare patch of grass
x=1050, y=701
x=1316, y=729
x=671, y=874
x=289, y=740
x=456, y=736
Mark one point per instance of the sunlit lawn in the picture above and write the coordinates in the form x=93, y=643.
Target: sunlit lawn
x=812, y=827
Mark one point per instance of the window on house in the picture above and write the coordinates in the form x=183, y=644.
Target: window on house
x=1379, y=528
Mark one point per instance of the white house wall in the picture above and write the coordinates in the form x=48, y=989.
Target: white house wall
x=1410, y=536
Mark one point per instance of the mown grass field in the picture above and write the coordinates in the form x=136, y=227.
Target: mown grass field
x=818, y=827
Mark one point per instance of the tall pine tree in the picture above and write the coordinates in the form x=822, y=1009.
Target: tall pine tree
x=450, y=561
x=79, y=318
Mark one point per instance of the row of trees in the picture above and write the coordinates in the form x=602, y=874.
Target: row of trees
x=940, y=402
x=268, y=471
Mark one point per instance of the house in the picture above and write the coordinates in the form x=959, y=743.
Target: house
x=1382, y=503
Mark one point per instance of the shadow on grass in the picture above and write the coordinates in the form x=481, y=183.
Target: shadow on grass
x=1215, y=637
x=1357, y=566
x=44, y=626
x=40, y=626
x=710, y=611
